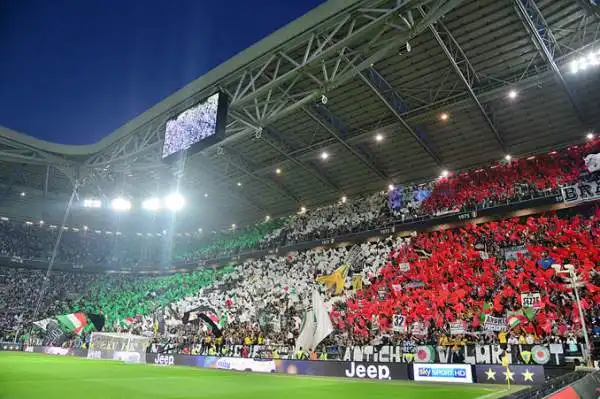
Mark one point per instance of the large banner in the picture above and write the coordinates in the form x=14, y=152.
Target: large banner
x=362, y=370
x=543, y=354
x=580, y=192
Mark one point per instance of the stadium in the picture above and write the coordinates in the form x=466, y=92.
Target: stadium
x=382, y=198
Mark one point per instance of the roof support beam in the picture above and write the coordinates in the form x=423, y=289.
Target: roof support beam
x=591, y=7
x=393, y=100
x=46, y=177
x=545, y=42
x=336, y=128
x=465, y=71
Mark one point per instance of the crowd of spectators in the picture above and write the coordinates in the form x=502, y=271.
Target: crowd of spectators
x=431, y=279
x=499, y=184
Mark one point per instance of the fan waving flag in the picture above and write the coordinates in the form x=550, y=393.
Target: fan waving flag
x=74, y=323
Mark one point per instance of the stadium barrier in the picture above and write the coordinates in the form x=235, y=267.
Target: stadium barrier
x=9, y=347
x=378, y=371
x=460, y=373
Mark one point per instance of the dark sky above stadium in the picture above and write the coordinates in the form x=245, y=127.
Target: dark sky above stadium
x=73, y=71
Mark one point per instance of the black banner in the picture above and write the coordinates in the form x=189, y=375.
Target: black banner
x=543, y=354
x=518, y=374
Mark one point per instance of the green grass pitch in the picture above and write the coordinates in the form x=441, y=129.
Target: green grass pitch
x=29, y=376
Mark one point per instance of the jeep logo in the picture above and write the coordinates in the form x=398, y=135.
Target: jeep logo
x=379, y=372
x=165, y=360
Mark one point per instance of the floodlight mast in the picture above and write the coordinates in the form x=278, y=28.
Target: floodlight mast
x=573, y=281
x=45, y=283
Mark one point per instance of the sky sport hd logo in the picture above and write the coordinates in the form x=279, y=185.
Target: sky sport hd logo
x=442, y=372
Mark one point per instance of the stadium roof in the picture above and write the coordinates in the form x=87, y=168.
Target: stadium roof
x=365, y=82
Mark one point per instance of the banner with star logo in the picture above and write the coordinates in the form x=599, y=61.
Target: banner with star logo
x=518, y=374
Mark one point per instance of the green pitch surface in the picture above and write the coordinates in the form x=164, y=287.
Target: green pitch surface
x=29, y=376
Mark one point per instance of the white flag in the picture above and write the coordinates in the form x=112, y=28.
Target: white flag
x=323, y=326
x=305, y=338
x=592, y=162
x=316, y=325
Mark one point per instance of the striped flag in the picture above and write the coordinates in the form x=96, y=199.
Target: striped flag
x=73, y=323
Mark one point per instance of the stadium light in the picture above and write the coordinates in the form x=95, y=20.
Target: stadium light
x=205, y=195
x=85, y=228
x=508, y=157
x=23, y=194
x=379, y=137
x=444, y=116
x=344, y=199
x=233, y=226
x=592, y=59
x=41, y=222
x=512, y=94
x=239, y=184
x=303, y=210
x=121, y=204
x=391, y=187
x=175, y=202
x=151, y=204
x=267, y=218
x=92, y=203
x=445, y=173
x=278, y=171
x=324, y=155
x=590, y=136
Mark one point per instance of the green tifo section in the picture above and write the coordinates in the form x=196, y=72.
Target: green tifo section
x=209, y=244
x=31, y=376
x=124, y=296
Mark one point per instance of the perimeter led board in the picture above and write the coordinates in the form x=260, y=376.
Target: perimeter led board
x=196, y=128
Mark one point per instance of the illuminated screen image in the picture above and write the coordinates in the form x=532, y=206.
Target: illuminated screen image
x=193, y=126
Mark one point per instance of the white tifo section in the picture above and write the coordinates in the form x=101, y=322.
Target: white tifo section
x=435, y=372
x=126, y=347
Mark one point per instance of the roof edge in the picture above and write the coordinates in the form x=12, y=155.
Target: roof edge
x=299, y=26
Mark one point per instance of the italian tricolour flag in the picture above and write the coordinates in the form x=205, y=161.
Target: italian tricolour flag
x=74, y=322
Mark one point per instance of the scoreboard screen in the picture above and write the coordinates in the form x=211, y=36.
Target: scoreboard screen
x=196, y=128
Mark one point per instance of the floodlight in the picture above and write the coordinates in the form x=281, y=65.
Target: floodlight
x=379, y=137
x=175, y=202
x=92, y=203
x=121, y=204
x=445, y=173
x=590, y=136
x=278, y=171
x=151, y=204
x=324, y=155
x=512, y=94
x=344, y=199
x=508, y=157
x=391, y=187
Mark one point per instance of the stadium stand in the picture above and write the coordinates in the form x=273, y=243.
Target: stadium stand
x=500, y=184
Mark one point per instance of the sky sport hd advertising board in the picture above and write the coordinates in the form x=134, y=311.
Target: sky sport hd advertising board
x=196, y=128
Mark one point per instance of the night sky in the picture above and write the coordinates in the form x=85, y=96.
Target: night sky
x=73, y=71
